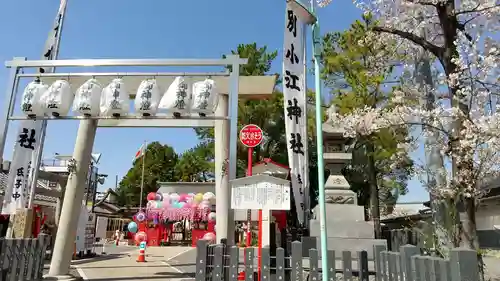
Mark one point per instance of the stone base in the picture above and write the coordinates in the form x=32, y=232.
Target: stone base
x=343, y=221
x=339, y=245
x=63, y=277
x=344, y=229
x=342, y=212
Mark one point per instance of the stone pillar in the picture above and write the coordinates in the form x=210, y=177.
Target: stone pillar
x=59, y=204
x=70, y=213
x=224, y=225
x=266, y=228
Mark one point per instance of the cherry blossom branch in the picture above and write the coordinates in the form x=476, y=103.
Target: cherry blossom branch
x=423, y=3
x=435, y=50
x=476, y=10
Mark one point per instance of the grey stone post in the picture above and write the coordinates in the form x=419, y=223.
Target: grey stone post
x=68, y=222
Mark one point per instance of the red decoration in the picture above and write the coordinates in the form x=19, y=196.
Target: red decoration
x=251, y=135
x=151, y=196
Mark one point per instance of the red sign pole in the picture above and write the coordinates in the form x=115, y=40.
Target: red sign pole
x=251, y=136
x=249, y=212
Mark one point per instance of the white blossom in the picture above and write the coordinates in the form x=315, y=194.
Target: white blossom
x=466, y=65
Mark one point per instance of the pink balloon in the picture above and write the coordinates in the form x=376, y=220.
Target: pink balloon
x=166, y=204
x=210, y=236
x=183, y=197
x=140, y=236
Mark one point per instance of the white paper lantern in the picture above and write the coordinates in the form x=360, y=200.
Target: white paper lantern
x=177, y=98
x=115, y=99
x=31, y=103
x=147, y=97
x=88, y=98
x=205, y=97
x=58, y=98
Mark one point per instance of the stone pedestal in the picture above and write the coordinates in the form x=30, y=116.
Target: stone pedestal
x=63, y=278
x=22, y=224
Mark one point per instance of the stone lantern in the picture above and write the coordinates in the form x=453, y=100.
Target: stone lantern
x=346, y=226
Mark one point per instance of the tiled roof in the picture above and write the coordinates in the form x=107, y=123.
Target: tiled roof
x=40, y=197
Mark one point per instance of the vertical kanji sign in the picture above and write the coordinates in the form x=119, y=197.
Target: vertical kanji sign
x=294, y=91
x=18, y=189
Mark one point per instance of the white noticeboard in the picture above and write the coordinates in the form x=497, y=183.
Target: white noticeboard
x=260, y=196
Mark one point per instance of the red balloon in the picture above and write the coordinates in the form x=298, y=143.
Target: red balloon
x=151, y=196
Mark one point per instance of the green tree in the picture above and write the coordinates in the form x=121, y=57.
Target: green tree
x=194, y=165
x=361, y=73
x=269, y=116
x=159, y=164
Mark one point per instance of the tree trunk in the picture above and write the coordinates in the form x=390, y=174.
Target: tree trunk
x=374, y=197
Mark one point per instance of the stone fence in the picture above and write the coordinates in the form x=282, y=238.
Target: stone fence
x=22, y=259
x=220, y=262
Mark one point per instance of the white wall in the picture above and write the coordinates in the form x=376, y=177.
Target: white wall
x=102, y=224
x=488, y=215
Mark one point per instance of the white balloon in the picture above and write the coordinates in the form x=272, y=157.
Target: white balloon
x=88, y=98
x=204, y=204
x=115, y=99
x=174, y=197
x=147, y=97
x=150, y=204
x=208, y=196
x=212, y=216
x=177, y=98
x=205, y=97
x=57, y=99
x=31, y=103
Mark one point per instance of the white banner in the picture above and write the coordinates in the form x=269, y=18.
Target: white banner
x=294, y=91
x=18, y=184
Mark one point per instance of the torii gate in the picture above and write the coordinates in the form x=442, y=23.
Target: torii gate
x=230, y=87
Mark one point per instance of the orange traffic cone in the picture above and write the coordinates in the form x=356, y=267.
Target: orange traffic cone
x=142, y=255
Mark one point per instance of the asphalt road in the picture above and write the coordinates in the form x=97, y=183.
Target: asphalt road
x=184, y=263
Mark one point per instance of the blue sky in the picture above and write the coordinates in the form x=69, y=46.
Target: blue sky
x=147, y=29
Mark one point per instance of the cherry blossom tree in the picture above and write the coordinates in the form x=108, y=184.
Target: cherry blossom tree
x=462, y=39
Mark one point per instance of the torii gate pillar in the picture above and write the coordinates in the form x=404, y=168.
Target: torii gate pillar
x=224, y=225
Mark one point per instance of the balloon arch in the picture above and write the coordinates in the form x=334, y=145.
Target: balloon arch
x=176, y=207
